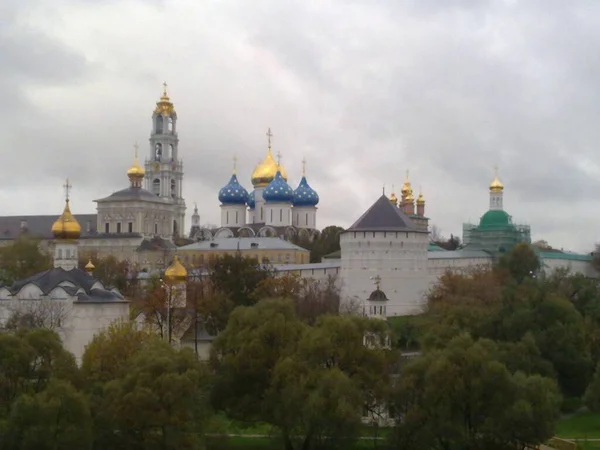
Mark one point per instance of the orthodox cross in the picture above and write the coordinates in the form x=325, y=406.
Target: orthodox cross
x=269, y=136
x=407, y=173
x=136, y=147
x=278, y=158
x=165, y=88
x=496, y=170
x=67, y=187
x=383, y=188
x=234, y=164
x=303, y=167
x=377, y=281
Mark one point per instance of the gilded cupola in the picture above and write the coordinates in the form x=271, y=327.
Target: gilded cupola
x=393, y=197
x=266, y=170
x=496, y=185
x=420, y=199
x=406, y=187
x=164, y=105
x=66, y=226
x=176, y=271
x=89, y=267
x=136, y=172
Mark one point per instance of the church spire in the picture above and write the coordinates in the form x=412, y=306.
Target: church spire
x=496, y=192
x=66, y=231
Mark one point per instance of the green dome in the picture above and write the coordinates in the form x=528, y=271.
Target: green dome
x=495, y=219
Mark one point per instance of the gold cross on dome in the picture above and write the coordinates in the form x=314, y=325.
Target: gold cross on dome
x=377, y=281
x=278, y=158
x=303, y=167
x=496, y=169
x=269, y=136
x=235, y=163
x=67, y=187
x=165, y=88
x=136, y=147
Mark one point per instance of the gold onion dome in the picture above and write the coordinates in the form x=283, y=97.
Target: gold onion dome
x=176, y=271
x=393, y=198
x=164, y=105
x=89, y=267
x=496, y=185
x=410, y=198
x=136, y=171
x=266, y=170
x=66, y=226
x=406, y=187
x=420, y=199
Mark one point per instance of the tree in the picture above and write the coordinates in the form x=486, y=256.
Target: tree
x=463, y=397
x=210, y=308
x=309, y=382
x=328, y=241
x=520, y=262
x=112, y=273
x=23, y=258
x=237, y=277
x=56, y=418
x=159, y=402
x=50, y=314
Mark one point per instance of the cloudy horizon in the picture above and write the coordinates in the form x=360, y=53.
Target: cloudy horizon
x=364, y=90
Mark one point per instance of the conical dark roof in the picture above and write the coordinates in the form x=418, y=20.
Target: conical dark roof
x=384, y=216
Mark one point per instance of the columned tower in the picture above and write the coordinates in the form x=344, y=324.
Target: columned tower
x=164, y=168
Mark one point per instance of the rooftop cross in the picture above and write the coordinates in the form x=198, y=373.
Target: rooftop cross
x=377, y=280
x=234, y=164
x=278, y=158
x=383, y=188
x=269, y=136
x=407, y=174
x=136, y=147
x=67, y=187
x=303, y=167
x=165, y=88
x=496, y=170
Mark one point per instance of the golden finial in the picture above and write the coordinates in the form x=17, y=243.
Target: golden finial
x=66, y=226
x=136, y=171
x=89, y=267
x=67, y=187
x=303, y=167
x=164, y=105
x=420, y=198
x=269, y=136
x=496, y=185
x=165, y=89
x=406, y=187
x=234, y=164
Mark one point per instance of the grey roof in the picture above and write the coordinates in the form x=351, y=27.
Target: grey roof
x=156, y=243
x=132, y=193
x=243, y=243
x=50, y=279
x=456, y=254
x=329, y=264
x=384, y=216
x=40, y=226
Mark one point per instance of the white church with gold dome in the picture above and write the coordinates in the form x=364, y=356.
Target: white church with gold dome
x=272, y=209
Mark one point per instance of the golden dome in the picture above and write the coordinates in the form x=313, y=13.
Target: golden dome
x=393, y=198
x=496, y=185
x=176, y=271
x=420, y=199
x=266, y=170
x=66, y=226
x=136, y=171
x=89, y=267
x=409, y=198
x=164, y=105
x=406, y=187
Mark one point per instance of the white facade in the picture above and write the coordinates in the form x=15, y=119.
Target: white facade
x=304, y=217
x=147, y=216
x=65, y=254
x=277, y=214
x=233, y=215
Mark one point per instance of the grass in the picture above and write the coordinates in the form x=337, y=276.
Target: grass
x=583, y=425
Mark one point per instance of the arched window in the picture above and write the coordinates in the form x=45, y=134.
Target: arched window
x=175, y=228
x=171, y=154
x=170, y=124
x=158, y=152
x=156, y=186
x=159, y=124
x=173, y=189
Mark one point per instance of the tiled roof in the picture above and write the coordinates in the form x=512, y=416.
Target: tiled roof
x=243, y=243
x=384, y=216
x=11, y=227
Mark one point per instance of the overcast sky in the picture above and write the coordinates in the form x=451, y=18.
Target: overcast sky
x=363, y=89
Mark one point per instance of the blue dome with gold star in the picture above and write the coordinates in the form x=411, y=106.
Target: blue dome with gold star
x=304, y=195
x=251, y=200
x=233, y=193
x=278, y=191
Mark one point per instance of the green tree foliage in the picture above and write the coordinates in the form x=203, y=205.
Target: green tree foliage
x=23, y=258
x=464, y=397
x=310, y=382
x=57, y=418
x=521, y=262
x=237, y=277
x=324, y=243
x=112, y=273
x=159, y=403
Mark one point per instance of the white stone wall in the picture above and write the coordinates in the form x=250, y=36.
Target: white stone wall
x=259, y=214
x=582, y=267
x=438, y=265
x=278, y=214
x=304, y=217
x=147, y=218
x=233, y=215
x=398, y=258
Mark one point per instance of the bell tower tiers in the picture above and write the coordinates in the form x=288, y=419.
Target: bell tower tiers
x=164, y=168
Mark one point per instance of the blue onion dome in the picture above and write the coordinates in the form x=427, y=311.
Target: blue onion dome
x=278, y=190
x=233, y=193
x=251, y=200
x=304, y=195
